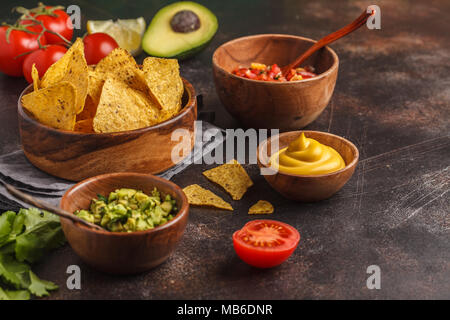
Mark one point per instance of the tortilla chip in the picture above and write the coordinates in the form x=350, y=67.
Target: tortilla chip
x=120, y=65
x=35, y=77
x=53, y=106
x=85, y=126
x=201, y=197
x=95, y=85
x=163, y=79
x=57, y=70
x=261, y=207
x=89, y=110
x=122, y=108
x=232, y=177
x=72, y=67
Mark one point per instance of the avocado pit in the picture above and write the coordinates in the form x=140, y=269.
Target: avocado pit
x=185, y=21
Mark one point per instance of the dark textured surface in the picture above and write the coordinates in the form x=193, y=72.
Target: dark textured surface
x=391, y=99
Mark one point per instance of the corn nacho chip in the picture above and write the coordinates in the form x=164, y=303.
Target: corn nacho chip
x=72, y=67
x=261, y=207
x=163, y=79
x=122, y=108
x=120, y=65
x=202, y=197
x=95, y=85
x=232, y=177
x=53, y=106
x=85, y=126
x=35, y=77
x=113, y=95
x=89, y=110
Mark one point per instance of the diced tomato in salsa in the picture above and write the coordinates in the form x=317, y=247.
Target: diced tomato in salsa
x=259, y=71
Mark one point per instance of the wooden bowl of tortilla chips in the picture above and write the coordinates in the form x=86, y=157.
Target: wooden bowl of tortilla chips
x=80, y=121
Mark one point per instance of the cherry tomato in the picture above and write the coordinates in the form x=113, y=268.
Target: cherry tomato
x=275, y=69
x=273, y=73
x=12, y=51
x=249, y=74
x=43, y=59
x=97, y=46
x=55, y=20
x=265, y=243
x=291, y=73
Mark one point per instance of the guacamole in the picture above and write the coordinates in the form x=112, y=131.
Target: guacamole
x=128, y=210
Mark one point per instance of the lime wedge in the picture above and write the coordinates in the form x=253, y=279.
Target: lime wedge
x=127, y=32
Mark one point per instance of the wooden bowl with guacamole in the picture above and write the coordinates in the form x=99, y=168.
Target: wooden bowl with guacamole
x=124, y=252
x=76, y=156
x=307, y=166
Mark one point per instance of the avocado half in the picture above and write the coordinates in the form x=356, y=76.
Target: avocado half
x=195, y=26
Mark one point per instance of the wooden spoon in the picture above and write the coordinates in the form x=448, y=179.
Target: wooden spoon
x=46, y=206
x=361, y=20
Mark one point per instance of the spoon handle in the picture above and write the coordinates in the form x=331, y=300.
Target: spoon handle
x=46, y=206
x=329, y=39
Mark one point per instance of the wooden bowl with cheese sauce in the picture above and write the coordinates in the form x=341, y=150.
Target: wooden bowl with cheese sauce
x=309, y=188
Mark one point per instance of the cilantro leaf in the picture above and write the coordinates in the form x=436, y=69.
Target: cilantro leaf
x=14, y=294
x=39, y=287
x=35, y=216
x=34, y=243
x=6, y=225
x=26, y=237
x=18, y=225
x=102, y=198
x=13, y=272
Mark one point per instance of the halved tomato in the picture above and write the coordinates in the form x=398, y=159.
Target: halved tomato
x=265, y=243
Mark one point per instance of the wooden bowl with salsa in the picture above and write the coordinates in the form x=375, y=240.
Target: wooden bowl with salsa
x=266, y=101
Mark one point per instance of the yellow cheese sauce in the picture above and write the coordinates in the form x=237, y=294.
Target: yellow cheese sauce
x=306, y=156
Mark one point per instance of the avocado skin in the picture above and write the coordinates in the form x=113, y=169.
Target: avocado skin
x=185, y=54
x=188, y=53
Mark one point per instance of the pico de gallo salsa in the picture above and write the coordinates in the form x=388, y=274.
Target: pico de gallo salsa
x=260, y=71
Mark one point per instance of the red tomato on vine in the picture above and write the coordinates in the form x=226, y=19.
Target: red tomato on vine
x=54, y=19
x=43, y=59
x=15, y=42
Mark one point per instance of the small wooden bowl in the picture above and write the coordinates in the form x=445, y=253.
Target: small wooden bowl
x=118, y=252
x=280, y=105
x=76, y=156
x=309, y=188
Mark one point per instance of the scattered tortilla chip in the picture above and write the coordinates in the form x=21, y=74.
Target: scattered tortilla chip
x=201, y=197
x=53, y=106
x=261, y=207
x=232, y=177
x=72, y=67
x=89, y=110
x=122, y=108
x=35, y=77
x=85, y=126
x=163, y=79
x=120, y=65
